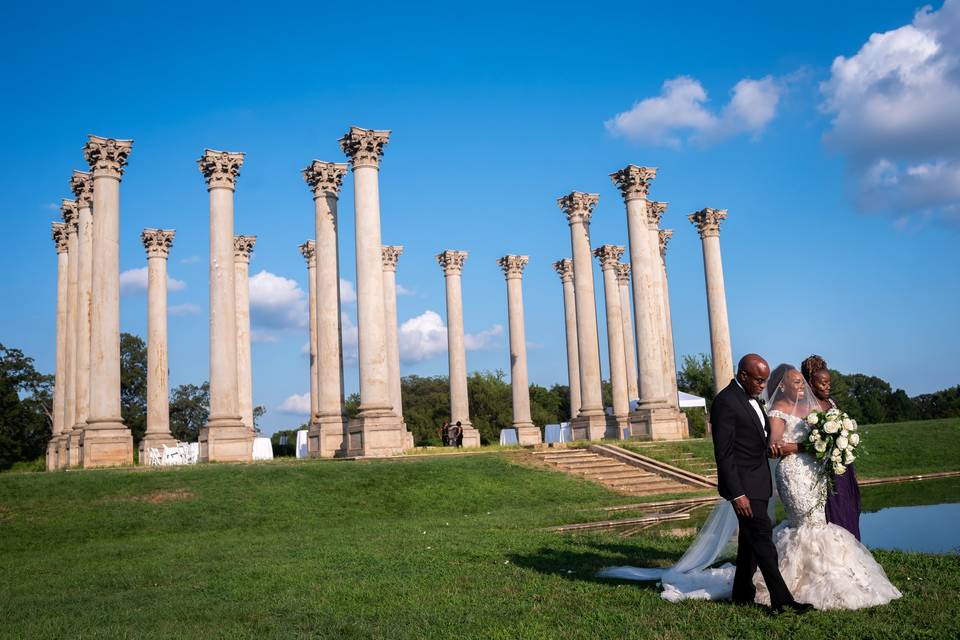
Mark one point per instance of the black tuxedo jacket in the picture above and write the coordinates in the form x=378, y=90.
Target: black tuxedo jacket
x=740, y=446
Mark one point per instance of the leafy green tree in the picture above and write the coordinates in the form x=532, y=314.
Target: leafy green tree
x=545, y=405
x=189, y=409
x=258, y=412
x=26, y=408
x=490, y=403
x=133, y=384
x=696, y=376
x=942, y=404
x=426, y=406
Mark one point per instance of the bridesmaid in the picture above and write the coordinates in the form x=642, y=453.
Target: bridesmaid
x=843, y=504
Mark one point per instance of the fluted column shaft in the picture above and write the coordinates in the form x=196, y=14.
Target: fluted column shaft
x=157, y=243
x=308, y=249
x=63, y=266
x=630, y=352
x=452, y=263
x=609, y=256
x=70, y=215
x=242, y=248
x=527, y=432
x=708, y=223
x=565, y=269
x=391, y=255
x=82, y=185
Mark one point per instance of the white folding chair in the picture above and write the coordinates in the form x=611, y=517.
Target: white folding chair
x=153, y=455
x=170, y=455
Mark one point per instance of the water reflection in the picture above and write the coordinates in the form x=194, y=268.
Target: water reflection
x=931, y=528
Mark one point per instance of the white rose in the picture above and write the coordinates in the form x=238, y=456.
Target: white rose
x=849, y=458
x=841, y=443
x=853, y=425
x=831, y=427
x=813, y=418
x=847, y=423
x=838, y=468
x=844, y=433
x=854, y=439
x=835, y=454
x=820, y=446
x=833, y=413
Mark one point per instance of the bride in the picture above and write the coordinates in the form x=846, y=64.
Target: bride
x=821, y=563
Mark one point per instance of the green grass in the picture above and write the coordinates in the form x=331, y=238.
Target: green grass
x=429, y=547
x=901, y=448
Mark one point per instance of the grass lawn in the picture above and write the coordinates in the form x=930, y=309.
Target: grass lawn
x=895, y=449
x=429, y=547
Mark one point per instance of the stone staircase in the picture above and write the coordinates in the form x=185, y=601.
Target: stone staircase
x=615, y=474
x=705, y=467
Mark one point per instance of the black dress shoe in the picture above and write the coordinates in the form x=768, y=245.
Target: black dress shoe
x=798, y=608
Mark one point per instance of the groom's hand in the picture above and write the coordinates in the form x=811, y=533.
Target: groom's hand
x=742, y=507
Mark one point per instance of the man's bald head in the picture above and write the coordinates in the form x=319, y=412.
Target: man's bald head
x=752, y=373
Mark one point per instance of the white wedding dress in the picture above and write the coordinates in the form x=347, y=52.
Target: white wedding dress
x=822, y=564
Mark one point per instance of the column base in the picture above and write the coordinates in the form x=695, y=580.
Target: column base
x=658, y=423
x=63, y=451
x=154, y=441
x=528, y=434
x=376, y=434
x=75, y=449
x=52, y=454
x=327, y=437
x=226, y=440
x=104, y=444
x=594, y=427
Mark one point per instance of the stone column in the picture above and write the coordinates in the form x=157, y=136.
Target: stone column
x=391, y=256
x=157, y=242
x=377, y=430
x=708, y=223
x=452, y=263
x=655, y=211
x=527, y=432
x=225, y=437
x=327, y=436
x=242, y=248
x=106, y=440
x=590, y=423
x=565, y=269
x=609, y=256
x=670, y=371
x=72, y=451
x=81, y=183
x=309, y=251
x=53, y=447
x=654, y=417
x=630, y=351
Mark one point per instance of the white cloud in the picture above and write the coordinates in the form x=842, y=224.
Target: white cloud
x=134, y=281
x=347, y=292
x=185, y=309
x=681, y=114
x=190, y=260
x=263, y=336
x=277, y=302
x=350, y=339
x=403, y=291
x=297, y=404
x=425, y=337
x=895, y=108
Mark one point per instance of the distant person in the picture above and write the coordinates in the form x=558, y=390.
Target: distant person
x=445, y=434
x=843, y=503
x=457, y=435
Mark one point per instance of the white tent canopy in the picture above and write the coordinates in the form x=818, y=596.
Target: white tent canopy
x=688, y=400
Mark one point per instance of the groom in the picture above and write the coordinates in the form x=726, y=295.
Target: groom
x=740, y=435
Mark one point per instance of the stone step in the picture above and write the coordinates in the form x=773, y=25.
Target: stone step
x=634, y=480
x=617, y=474
x=596, y=462
x=654, y=487
x=569, y=456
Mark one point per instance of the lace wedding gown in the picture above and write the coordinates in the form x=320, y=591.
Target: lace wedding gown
x=822, y=563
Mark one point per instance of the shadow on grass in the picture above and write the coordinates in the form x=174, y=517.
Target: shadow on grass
x=585, y=565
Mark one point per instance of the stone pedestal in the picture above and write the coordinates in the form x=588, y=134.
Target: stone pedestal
x=377, y=430
x=591, y=423
x=225, y=438
x=609, y=256
x=106, y=441
x=56, y=444
x=565, y=269
x=327, y=436
x=708, y=223
x=452, y=263
x=528, y=434
x=157, y=242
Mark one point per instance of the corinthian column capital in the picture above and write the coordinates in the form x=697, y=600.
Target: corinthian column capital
x=633, y=181
x=655, y=211
x=59, y=230
x=623, y=274
x=364, y=147
x=513, y=265
x=391, y=256
x=578, y=206
x=157, y=242
x=107, y=156
x=81, y=183
x=565, y=269
x=707, y=221
x=220, y=168
x=452, y=261
x=665, y=235
x=70, y=214
x=609, y=255
x=309, y=251
x=325, y=178
x=243, y=247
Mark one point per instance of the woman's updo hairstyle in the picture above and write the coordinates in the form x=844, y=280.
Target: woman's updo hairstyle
x=811, y=365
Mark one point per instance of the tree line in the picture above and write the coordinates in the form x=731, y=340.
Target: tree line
x=26, y=402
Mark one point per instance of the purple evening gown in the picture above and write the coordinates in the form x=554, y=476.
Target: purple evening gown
x=843, y=506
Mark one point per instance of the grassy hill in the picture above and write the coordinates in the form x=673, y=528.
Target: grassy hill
x=428, y=547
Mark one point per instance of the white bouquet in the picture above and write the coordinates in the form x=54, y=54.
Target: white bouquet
x=835, y=441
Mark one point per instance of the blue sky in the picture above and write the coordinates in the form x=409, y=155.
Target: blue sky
x=842, y=178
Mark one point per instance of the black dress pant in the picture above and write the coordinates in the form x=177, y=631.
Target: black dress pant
x=755, y=549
